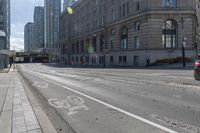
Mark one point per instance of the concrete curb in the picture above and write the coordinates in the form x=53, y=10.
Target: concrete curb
x=56, y=120
x=44, y=122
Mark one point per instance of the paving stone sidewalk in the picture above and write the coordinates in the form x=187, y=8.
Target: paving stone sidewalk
x=16, y=112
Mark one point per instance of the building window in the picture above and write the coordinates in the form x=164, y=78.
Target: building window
x=120, y=59
x=111, y=59
x=169, y=36
x=87, y=59
x=87, y=45
x=94, y=44
x=77, y=59
x=120, y=11
x=101, y=43
x=73, y=49
x=169, y=3
x=93, y=60
x=72, y=59
x=137, y=5
x=82, y=46
x=124, y=10
x=113, y=14
x=137, y=42
x=127, y=4
x=77, y=47
x=137, y=26
x=101, y=59
x=111, y=45
x=112, y=39
x=136, y=60
x=124, y=59
x=124, y=38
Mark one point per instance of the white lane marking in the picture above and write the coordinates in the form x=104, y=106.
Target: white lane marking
x=72, y=104
x=111, y=106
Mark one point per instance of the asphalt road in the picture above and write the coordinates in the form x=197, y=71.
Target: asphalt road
x=94, y=100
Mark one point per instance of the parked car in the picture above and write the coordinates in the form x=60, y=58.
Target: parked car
x=197, y=70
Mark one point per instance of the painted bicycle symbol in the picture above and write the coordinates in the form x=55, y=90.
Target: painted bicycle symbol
x=72, y=104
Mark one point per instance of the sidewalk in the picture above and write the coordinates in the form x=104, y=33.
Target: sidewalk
x=16, y=112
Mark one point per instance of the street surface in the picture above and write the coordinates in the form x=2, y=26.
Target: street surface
x=95, y=100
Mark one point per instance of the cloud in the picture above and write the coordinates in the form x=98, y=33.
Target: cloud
x=17, y=35
x=21, y=13
x=17, y=43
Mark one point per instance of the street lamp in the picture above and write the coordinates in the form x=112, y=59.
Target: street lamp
x=183, y=51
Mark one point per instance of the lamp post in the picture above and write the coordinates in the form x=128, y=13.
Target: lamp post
x=183, y=51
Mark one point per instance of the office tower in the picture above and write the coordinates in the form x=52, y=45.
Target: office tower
x=28, y=37
x=38, y=28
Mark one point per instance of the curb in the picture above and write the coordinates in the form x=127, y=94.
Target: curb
x=44, y=122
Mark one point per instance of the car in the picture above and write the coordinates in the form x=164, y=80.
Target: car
x=197, y=70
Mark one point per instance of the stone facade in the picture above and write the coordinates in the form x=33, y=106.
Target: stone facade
x=68, y=3
x=128, y=32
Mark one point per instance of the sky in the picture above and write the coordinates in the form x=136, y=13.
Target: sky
x=21, y=13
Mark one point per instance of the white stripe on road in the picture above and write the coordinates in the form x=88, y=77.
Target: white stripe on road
x=111, y=106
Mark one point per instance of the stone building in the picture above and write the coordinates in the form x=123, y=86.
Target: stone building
x=128, y=32
x=68, y=3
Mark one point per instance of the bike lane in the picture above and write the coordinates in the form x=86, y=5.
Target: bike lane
x=87, y=115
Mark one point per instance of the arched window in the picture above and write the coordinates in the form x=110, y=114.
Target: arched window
x=169, y=35
x=124, y=38
x=94, y=44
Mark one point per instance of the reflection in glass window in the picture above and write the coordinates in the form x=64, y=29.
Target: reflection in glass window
x=169, y=3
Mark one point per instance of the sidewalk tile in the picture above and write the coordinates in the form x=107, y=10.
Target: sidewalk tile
x=24, y=119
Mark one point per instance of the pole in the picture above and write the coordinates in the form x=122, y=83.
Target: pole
x=183, y=44
x=183, y=54
x=104, y=63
